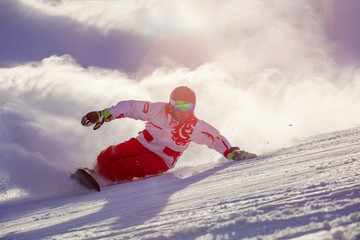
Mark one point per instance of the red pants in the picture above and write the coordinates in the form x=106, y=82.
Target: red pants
x=127, y=160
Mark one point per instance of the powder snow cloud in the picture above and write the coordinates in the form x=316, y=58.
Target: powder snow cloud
x=264, y=73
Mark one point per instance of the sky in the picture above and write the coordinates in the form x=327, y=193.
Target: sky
x=266, y=73
x=31, y=35
x=343, y=31
x=119, y=35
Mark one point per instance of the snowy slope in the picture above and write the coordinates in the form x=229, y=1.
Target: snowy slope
x=308, y=191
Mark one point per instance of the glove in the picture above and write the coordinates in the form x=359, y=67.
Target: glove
x=236, y=154
x=98, y=118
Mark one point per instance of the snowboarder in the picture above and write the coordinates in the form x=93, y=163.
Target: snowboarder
x=169, y=129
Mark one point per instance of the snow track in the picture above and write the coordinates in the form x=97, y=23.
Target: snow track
x=308, y=191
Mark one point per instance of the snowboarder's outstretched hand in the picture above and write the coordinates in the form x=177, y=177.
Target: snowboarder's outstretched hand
x=236, y=154
x=98, y=118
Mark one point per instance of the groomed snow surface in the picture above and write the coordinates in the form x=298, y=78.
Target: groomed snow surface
x=308, y=191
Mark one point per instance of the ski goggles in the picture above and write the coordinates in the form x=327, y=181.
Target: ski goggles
x=182, y=106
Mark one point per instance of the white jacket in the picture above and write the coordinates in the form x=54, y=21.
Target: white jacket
x=165, y=136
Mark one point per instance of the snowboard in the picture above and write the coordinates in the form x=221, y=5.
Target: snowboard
x=85, y=178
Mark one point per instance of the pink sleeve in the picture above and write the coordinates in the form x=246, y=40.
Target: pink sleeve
x=211, y=137
x=138, y=110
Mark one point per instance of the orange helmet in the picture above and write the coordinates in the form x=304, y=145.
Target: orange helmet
x=183, y=94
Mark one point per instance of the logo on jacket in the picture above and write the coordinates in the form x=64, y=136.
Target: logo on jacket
x=182, y=132
x=146, y=108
